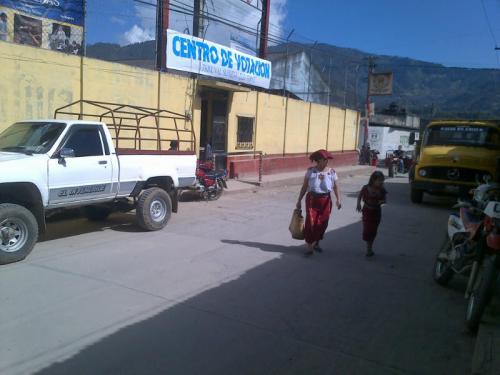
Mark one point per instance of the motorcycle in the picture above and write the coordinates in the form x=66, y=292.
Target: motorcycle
x=210, y=184
x=472, y=248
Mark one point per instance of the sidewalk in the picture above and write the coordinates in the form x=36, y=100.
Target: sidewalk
x=486, y=359
x=288, y=179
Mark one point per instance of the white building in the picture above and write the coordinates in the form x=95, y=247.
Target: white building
x=296, y=74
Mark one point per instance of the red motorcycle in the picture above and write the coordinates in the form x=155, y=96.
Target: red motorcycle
x=210, y=184
x=472, y=248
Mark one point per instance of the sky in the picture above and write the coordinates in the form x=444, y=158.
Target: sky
x=450, y=32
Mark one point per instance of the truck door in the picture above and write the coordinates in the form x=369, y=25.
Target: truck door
x=88, y=175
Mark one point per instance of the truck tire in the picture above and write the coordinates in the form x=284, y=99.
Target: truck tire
x=154, y=209
x=18, y=233
x=417, y=196
x=97, y=213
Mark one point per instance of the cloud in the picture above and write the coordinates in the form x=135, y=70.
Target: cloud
x=144, y=30
x=234, y=10
x=137, y=35
x=277, y=17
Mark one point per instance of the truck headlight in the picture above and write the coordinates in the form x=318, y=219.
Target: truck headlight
x=422, y=172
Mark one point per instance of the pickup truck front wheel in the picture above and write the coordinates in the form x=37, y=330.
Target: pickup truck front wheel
x=154, y=209
x=18, y=233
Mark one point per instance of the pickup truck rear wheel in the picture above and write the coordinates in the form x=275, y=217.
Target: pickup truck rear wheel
x=18, y=233
x=154, y=209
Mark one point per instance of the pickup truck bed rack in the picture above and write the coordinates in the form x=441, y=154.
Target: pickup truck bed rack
x=135, y=124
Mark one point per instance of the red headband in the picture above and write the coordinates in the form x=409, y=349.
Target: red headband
x=320, y=154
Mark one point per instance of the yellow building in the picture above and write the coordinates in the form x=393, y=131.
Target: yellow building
x=237, y=121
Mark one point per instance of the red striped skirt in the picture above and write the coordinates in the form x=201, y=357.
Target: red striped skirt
x=318, y=210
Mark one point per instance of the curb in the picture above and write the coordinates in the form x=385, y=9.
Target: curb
x=291, y=181
x=486, y=358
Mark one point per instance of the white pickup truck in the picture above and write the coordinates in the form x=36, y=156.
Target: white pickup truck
x=55, y=164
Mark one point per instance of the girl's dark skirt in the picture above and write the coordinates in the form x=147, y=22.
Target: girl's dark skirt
x=318, y=210
x=371, y=221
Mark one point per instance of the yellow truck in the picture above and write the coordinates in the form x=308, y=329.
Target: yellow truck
x=455, y=156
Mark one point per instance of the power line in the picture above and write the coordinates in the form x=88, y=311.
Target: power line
x=490, y=28
x=488, y=22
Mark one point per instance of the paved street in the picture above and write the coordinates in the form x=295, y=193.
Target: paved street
x=225, y=290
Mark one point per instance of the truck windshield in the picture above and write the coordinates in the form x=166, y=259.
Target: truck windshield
x=30, y=137
x=459, y=135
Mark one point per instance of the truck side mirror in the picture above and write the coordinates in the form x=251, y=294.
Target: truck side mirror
x=65, y=153
x=412, y=138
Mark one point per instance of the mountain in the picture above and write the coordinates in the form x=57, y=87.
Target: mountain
x=139, y=54
x=421, y=88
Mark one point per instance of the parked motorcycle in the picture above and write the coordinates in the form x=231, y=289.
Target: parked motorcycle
x=210, y=184
x=472, y=248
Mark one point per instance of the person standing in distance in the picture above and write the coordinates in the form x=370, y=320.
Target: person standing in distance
x=320, y=181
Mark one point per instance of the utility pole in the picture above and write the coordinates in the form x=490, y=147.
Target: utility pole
x=286, y=61
x=330, y=81
x=162, y=21
x=264, y=28
x=198, y=18
x=371, y=68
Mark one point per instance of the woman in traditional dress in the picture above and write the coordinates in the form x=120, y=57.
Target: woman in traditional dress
x=373, y=196
x=319, y=183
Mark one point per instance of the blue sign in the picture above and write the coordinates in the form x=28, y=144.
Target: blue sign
x=196, y=55
x=68, y=11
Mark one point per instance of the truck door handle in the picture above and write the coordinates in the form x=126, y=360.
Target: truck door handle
x=102, y=162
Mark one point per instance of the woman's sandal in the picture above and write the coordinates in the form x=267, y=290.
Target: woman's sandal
x=370, y=253
x=318, y=249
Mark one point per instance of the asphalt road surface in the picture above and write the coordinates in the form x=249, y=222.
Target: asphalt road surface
x=225, y=290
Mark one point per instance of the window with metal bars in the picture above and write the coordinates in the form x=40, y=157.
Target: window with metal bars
x=244, y=139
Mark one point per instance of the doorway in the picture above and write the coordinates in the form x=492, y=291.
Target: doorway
x=213, y=132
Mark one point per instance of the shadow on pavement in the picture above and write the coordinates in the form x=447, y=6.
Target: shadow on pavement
x=72, y=223
x=336, y=313
x=288, y=250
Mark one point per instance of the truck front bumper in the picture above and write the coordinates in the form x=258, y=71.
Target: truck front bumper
x=440, y=188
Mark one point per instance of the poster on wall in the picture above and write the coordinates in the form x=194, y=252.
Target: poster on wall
x=67, y=11
x=51, y=24
x=195, y=55
x=27, y=30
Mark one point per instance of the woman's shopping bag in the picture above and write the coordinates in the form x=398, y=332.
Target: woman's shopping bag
x=297, y=225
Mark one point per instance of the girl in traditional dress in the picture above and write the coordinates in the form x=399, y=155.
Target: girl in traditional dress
x=319, y=183
x=373, y=196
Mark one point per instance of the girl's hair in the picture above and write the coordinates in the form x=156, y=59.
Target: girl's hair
x=375, y=176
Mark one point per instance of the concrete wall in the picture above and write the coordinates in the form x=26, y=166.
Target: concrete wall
x=34, y=82
x=270, y=123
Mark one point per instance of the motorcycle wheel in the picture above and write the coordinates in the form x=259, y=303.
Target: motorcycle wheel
x=481, y=294
x=442, y=268
x=218, y=192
